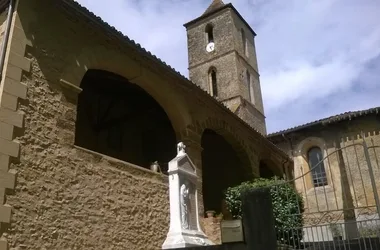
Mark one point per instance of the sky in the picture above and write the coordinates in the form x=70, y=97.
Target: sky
x=316, y=58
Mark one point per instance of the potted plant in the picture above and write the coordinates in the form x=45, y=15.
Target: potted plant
x=336, y=232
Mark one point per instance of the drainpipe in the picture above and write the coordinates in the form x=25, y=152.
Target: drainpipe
x=6, y=37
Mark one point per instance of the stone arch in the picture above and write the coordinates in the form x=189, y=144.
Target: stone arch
x=135, y=70
x=268, y=170
x=118, y=118
x=229, y=133
x=235, y=157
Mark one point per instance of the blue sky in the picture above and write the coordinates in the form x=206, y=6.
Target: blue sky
x=316, y=58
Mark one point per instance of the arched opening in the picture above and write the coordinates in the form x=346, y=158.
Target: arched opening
x=317, y=167
x=265, y=170
x=120, y=119
x=209, y=33
x=213, y=82
x=221, y=168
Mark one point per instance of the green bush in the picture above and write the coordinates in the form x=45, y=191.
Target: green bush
x=287, y=207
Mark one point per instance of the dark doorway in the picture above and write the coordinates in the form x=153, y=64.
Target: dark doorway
x=221, y=168
x=120, y=119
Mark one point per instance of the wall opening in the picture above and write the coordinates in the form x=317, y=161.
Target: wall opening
x=221, y=168
x=244, y=43
x=209, y=33
x=213, y=85
x=265, y=170
x=121, y=120
x=317, y=167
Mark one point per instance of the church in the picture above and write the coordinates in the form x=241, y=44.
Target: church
x=85, y=112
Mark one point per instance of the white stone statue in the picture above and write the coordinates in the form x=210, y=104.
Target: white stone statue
x=181, y=149
x=185, y=205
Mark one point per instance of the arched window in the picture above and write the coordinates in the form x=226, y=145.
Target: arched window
x=317, y=167
x=209, y=33
x=213, y=82
x=244, y=42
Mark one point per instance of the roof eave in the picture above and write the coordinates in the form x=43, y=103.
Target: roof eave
x=229, y=5
x=328, y=120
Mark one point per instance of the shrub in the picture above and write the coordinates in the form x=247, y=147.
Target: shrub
x=287, y=207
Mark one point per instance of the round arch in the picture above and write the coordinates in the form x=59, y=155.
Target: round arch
x=302, y=169
x=223, y=155
x=118, y=118
x=268, y=169
x=131, y=68
x=309, y=142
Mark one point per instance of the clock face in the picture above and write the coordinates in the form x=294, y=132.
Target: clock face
x=210, y=47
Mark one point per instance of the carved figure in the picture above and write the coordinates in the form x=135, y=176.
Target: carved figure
x=185, y=205
x=181, y=149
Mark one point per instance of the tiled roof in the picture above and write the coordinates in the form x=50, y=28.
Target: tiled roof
x=216, y=4
x=98, y=21
x=332, y=119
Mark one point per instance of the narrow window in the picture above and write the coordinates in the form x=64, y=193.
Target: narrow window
x=317, y=167
x=210, y=33
x=244, y=42
x=250, y=88
x=213, y=82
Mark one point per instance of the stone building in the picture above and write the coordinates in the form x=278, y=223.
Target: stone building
x=84, y=111
x=332, y=166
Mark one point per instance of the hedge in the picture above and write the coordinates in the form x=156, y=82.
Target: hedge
x=287, y=203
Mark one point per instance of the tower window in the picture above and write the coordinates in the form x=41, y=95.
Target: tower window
x=212, y=82
x=210, y=33
x=244, y=43
x=317, y=167
x=250, y=87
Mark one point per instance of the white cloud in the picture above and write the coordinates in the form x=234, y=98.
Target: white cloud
x=316, y=58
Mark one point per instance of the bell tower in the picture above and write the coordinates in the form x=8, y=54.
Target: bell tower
x=222, y=60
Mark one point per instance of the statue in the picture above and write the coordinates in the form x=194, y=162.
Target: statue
x=181, y=149
x=185, y=205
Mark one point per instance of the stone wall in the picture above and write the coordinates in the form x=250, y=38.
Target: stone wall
x=197, y=41
x=349, y=182
x=226, y=76
x=70, y=198
x=229, y=61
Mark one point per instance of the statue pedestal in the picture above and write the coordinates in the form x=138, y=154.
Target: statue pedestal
x=184, y=230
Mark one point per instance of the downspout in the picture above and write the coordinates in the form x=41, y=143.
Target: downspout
x=6, y=37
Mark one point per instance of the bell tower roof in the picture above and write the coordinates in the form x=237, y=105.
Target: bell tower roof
x=215, y=7
x=216, y=4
